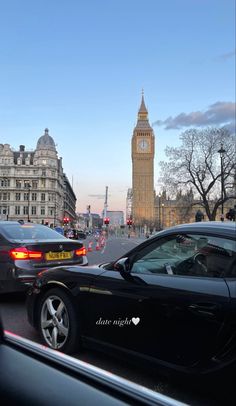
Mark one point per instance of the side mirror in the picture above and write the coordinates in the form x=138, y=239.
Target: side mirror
x=122, y=265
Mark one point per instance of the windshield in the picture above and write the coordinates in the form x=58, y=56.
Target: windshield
x=29, y=232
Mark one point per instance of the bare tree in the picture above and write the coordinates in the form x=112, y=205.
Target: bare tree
x=196, y=165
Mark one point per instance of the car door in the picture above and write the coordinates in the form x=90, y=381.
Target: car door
x=169, y=306
x=187, y=298
x=115, y=307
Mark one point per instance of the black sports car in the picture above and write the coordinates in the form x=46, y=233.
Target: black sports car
x=27, y=248
x=170, y=301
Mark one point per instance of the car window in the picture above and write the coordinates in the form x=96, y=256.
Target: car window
x=29, y=232
x=189, y=255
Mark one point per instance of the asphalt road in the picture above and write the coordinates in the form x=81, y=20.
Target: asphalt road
x=13, y=314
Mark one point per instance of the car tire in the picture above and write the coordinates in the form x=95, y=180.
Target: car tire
x=57, y=321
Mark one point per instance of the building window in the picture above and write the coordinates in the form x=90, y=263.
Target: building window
x=26, y=196
x=5, y=182
x=33, y=209
x=51, y=197
x=25, y=210
x=35, y=184
x=4, y=210
x=43, y=172
x=42, y=211
x=18, y=184
x=18, y=196
x=26, y=184
x=51, y=211
x=5, y=196
x=17, y=209
x=43, y=182
x=43, y=197
x=34, y=196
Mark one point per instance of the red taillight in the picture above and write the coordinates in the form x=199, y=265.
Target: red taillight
x=23, y=253
x=81, y=251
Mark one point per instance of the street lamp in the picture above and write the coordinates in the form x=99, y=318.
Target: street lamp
x=29, y=202
x=162, y=216
x=221, y=152
x=159, y=207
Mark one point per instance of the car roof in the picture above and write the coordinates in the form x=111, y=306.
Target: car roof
x=225, y=228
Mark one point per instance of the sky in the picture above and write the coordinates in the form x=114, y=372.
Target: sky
x=79, y=67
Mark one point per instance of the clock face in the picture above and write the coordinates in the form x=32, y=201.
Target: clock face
x=143, y=145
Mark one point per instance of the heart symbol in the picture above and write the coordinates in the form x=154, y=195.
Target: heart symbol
x=135, y=320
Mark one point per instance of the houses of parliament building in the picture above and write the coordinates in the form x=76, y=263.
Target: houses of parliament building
x=143, y=206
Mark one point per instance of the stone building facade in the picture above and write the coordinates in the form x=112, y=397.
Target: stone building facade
x=33, y=186
x=170, y=212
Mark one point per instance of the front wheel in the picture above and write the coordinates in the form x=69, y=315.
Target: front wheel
x=57, y=321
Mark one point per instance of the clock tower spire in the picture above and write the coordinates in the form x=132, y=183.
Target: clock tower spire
x=143, y=149
x=142, y=113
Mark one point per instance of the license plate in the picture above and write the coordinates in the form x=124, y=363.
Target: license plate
x=50, y=256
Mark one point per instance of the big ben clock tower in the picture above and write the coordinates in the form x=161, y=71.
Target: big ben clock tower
x=143, y=146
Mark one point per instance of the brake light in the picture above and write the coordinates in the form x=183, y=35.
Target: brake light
x=23, y=253
x=81, y=252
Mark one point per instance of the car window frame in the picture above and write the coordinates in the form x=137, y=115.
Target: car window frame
x=133, y=257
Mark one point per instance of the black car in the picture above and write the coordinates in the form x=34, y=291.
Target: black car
x=81, y=235
x=27, y=249
x=75, y=234
x=169, y=302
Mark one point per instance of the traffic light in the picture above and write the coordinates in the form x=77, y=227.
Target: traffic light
x=66, y=220
x=129, y=222
x=106, y=220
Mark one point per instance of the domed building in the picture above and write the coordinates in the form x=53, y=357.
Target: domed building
x=46, y=153
x=46, y=141
x=33, y=184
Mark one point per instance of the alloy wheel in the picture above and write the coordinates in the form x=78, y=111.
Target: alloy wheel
x=54, y=322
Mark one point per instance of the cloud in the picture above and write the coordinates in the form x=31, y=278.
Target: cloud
x=219, y=113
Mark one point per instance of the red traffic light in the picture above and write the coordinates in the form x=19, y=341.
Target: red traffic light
x=66, y=220
x=106, y=220
x=129, y=222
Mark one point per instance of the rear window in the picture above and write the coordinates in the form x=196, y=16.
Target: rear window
x=29, y=232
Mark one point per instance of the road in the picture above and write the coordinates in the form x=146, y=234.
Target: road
x=13, y=314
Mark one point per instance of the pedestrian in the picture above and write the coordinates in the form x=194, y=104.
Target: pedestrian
x=231, y=215
x=199, y=216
